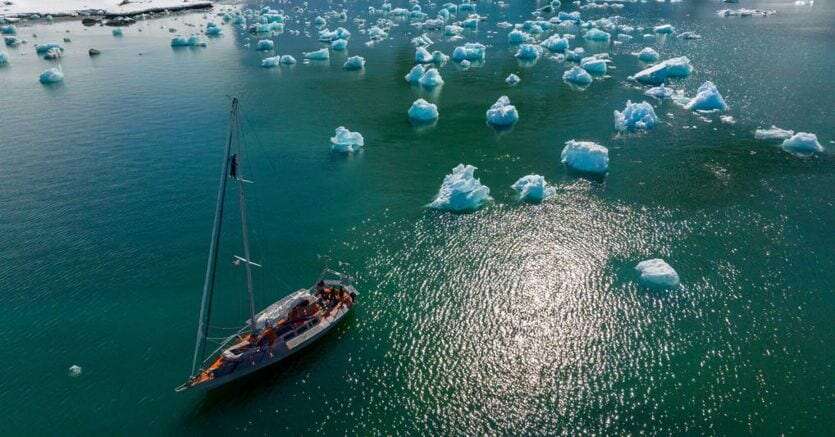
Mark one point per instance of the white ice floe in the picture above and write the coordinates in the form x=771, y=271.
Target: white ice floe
x=774, y=133
x=657, y=273
x=707, y=99
x=659, y=73
x=533, y=188
x=346, y=141
x=636, y=116
x=74, y=370
x=512, y=79
x=423, y=111
x=52, y=75
x=354, y=63
x=471, y=51
x=585, y=156
x=461, y=191
x=660, y=92
x=555, y=43
x=431, y=78
x=802, y=144
x=288, y=60
x=578, y=76
x=271, y=62
x=502, y=113
x=318, y=55
x=596, y=34
x=664, y=29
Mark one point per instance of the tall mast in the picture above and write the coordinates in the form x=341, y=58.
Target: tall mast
x=248, y=261
x=211, y=264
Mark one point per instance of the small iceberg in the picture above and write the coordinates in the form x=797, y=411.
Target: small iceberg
x=423, y=111
x=533, y=188
x=4, y=58
x=707, y=99
x=502, y=113
x=354, y=63
x=578, y=76
x=657, y=273
x=192, y=41
x=802, y=144
x=594, y=65
x=422, y=56
x=439, y=57
x=42, y=49
x=318, y=55
x=471, y=51
x=346, y=141
x=512, y=80
x=518, y=37
x=647, y=54
x=431, y=78
x=596, y=34
x=74, y=371
x=414, y=75
x=664, y=29
x=271, y=62
x=288, y=60
x=529, y=52
x=339, y=44
x=659, y=73
x=52, y=75
x=636, y=116
x=773, y=133
x=118, y=32
x=660, y=92
x=264, y=45
x=586, y=157
x=461, y=191
x=555, y=43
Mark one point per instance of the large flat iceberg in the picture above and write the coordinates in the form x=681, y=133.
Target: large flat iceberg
x=659, y=73
x=461, y=191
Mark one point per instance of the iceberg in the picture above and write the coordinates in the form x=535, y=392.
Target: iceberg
x=423, y=111
x=431, y=78
x=4, y=58
x=415, y=74
x=264, y=45
x=74, y=371
x=555, y=43
x=318, y=55
x=660, y=92
x=354, y=63
x=512, y=79
x=471, y=51
x=453, y=30
x=529, y=52
x=664, y=28
x=659, y=73
x=648, y=55
x=52, y=75
x=422, y=56
x=774, y=133
x=439, y=58
x=288, y=60
x=11, y=41
x=533, y=188
x=461, y=191
x=595, y=34
x=192, y=41
x=518, y=37
x=502, y=113
x=594, y=65
x=117, y=32
x=585, y=156
x=339, y=44
x=8, y=29
x=470, y=23
x=42, y=49
x=213, y=31
x=657, y=273
x=575, y=55
x=271, y=62
x=707, y=99
x=636, y=116
x=578, y=76
x=802, y=144
x=346, y=141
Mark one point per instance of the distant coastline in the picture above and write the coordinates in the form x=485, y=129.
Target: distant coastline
x=97, y=8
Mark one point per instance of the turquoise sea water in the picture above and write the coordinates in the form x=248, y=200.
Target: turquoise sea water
x=517, y=319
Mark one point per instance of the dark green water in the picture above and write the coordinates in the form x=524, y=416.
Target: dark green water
x=517, y=319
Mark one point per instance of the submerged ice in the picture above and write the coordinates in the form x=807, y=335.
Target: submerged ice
x=461, y=191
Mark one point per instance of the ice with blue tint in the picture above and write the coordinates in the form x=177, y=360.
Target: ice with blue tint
x=288, y=60
x=802, y=144
x=647, y=54
x=44, y=48
x=422, y=56
x=518, y=37
x=431, y=78
x=707, y=99
x=52, y=75
x=773, y=133
x=555, y=43
x=422, y=41
x=354, y=63
x=192, y=41
x=8, y=29
x=453, y=30
x=569, y=16
x=512, y=79
x=470, y=23
x=117, y=32
x=660, y=92
x=271, y=62
x=659, y=73
x=213, y=30
x=585, y=156
x=575, y=55
x=346, y=141
x=533, y=188
x=319, y=22
x=318, y=55
x=414, y=75
x=471, y=51
x=596, y=34
x=529, y=52
x=264, y=45
x=636, y=116
x=439, y=57
x=664, y=29
x=502, y=113
x=4, y=58
x=657, y=273
x=594, y=65
x=339, y=44
x=423, y=111
x=11, y=41
x=461, y=191
x=578, y=76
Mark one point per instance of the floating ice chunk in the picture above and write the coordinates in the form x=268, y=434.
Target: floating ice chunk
x=11, y=41
x=470, y=23
x=502, y=113
x=4, y=58
x=555, y=43
x=664, y=28
x=636, y=116
x=595, y=34
x=577, y=75
x=431, y=78
x=689, y=35
x=774, y=133
x=52, y=75
x=802, y=144
x=346, y=141
x=354, y=63
x=657, y=273
x=439, y=58
x=423, y=111
x=318, y=55
x=575, y=55
x=659, y=73
x=660, y=92
x=422, y=41
x=461, y=191
x=45, y=48
x=422, y=56
x=707, y=99
x=585, y=156
x=533, y=188
x=319, y=22
x=648, y=55
x=518, y=37
x=339, y=44
x=453, y=30
x=271, y=62
x=117, y=31
x=264, y=45
x=8, y=29
x=471, y=51
x=529, y=52
x=213, y=31
x=74, y=371
x=512, y=79
x=288, y=60
x=415, y=74
x=594, y=65
x=192, y=41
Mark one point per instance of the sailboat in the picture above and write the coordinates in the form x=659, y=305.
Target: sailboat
x=279, y=330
